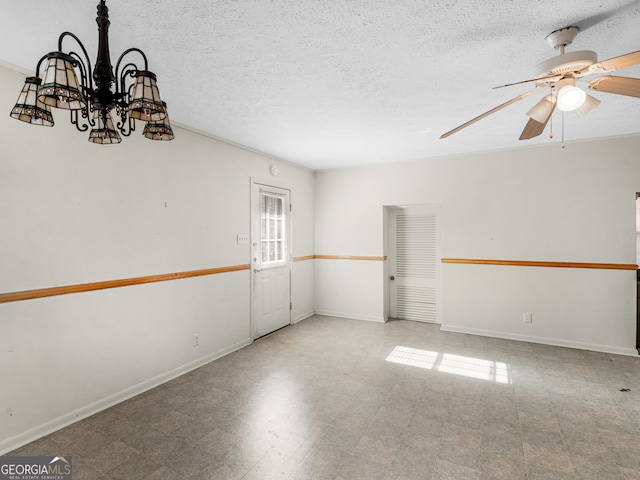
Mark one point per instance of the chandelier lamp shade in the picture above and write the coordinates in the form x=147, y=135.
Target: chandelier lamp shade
x=159, y=129
x=103, y=131
x=29, y=108
x=103, y=100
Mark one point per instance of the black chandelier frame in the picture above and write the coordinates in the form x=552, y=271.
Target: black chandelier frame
x=135, y=95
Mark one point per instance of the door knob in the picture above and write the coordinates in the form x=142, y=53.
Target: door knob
x=257, y=270
x=392, y=277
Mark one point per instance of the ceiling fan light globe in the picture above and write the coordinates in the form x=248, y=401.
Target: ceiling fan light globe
x=570, y=98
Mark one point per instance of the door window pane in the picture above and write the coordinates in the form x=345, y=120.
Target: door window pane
x=272, y=228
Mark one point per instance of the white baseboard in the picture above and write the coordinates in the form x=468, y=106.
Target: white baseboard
x=351, y=316
x=632, y=352
x=303, y=316
x=51, y=426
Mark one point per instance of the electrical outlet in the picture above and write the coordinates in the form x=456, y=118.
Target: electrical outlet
x=527, y=317
x=196, y=339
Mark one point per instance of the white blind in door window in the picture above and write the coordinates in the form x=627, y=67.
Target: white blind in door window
x=273, y=231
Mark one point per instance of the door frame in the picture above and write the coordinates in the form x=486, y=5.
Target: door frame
x=256, y=235
x=638, y=272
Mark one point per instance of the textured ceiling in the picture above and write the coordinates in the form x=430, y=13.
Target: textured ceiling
x=330, y=83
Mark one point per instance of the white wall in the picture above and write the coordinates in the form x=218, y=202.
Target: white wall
x=638, y=230
x=73, y=212
x=545, y=203
x=350, y=289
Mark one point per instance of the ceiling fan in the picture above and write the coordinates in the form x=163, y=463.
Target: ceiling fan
x=559, y=74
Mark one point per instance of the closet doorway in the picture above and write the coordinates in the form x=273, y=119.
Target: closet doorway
x=414, y=279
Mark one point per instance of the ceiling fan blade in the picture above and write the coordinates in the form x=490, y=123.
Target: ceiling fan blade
x=620, y=85
x=551, y=78
x=626, y=60
x=533, y=128
x=486, y=114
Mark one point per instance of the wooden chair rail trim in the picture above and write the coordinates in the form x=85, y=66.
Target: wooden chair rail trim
x=524, y=263
x=349, y=257
x=301, y=259
x=125, y=282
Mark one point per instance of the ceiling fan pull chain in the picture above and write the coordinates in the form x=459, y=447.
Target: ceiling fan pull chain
x=551, y=118
x=562, y=129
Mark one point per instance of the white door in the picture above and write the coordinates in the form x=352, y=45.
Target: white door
x=271, y=259
x=414, y=264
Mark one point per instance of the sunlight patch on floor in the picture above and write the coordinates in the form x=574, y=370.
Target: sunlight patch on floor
x=449, y=363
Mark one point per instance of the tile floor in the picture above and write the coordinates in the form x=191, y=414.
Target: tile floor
x=339, y=399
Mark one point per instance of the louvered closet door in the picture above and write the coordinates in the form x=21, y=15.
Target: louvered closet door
x=414, y=261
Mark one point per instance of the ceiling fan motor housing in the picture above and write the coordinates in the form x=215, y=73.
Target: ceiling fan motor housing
x=562, y=37
x=567, y=63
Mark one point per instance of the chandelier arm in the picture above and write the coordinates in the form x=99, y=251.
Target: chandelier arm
x=84, y=126
x=87, y=114
x=125, y=123
x=128, y=70
x=144, y=57
x=85, y=75
x=84, y=50
x=132, y=125
x=40, y=63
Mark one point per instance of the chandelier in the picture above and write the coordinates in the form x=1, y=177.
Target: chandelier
x=106, y=103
